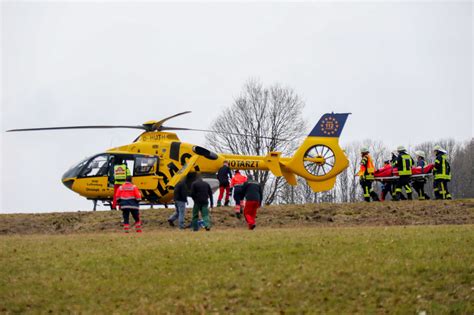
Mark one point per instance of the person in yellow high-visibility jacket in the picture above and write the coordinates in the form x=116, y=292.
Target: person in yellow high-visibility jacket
x=366, y=175
x=404, y=163
x=121, y=172
x=442, y=174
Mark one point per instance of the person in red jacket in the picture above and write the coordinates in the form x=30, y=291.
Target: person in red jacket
x=128, y=197
x=236, y=183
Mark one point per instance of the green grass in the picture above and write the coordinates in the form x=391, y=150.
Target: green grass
x=306, y=270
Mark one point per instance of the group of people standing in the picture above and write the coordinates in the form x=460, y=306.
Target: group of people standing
x=200, y=191
x=247, y=195
x=405, y=181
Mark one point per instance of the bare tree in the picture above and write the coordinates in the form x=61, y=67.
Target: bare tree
x=272, y=119
x=462, y=165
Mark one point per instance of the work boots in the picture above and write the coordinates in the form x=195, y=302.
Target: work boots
x=219, y=203
x=226, y=203
x=138, y=226
x=410, y=196
x=126, y=228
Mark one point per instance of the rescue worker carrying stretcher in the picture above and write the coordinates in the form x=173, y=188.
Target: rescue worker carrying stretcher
x=366, y=175
x=419, y=182
x=386, y=185
x=128, y=197
x=442, y=173
x=404, y=164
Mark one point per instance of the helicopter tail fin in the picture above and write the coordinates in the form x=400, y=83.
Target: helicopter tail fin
x=320, y=158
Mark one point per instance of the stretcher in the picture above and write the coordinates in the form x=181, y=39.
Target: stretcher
x=389, y=173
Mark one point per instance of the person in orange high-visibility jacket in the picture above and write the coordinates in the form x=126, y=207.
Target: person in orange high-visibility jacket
x=236, y=184
x=366, y=175
x=128, y=197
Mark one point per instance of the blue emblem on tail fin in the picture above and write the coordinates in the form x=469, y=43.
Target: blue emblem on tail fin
x=330, y=125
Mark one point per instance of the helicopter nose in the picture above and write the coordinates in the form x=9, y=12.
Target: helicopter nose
x=68, y=182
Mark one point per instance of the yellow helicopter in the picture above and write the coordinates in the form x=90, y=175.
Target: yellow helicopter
x=158, y=160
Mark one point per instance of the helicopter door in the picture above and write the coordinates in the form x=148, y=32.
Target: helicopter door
x=144, y=172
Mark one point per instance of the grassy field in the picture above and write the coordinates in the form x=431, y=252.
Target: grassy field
x=337, y=270
x=276, y=216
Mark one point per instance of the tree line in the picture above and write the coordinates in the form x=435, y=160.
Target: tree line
x=271, y=119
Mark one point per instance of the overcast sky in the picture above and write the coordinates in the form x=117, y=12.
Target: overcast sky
x=404, y=71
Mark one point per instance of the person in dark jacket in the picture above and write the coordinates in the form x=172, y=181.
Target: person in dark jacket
x=224, y=175
x=180, y=200
x=201, y=193
x=442, y=173
x=404, y=164
x=252, y=192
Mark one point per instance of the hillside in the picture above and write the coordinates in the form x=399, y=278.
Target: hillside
x=337, y=215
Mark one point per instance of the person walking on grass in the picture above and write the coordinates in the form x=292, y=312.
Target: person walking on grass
x=128, y=198
x=236, y=184
x=252, y=192
x=201, y=193
x=224, y=175
x=180, y=199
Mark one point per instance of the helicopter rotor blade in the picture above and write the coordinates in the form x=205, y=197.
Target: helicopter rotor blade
x=77, y=127
x=164, y=128
x=158, y=124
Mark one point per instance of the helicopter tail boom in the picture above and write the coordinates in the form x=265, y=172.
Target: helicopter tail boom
x=319, y=159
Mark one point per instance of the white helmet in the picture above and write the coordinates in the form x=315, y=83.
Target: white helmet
x=364, y=150
x=439, y=148
x=401, y=148
x=420, y=153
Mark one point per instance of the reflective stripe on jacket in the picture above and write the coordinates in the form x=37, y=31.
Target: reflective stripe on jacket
x=442, y=169
x=367, y=168
x=404, y=164
x=121, y=172
x=128, y=196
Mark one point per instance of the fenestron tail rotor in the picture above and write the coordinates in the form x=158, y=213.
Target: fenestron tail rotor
x=319, y=160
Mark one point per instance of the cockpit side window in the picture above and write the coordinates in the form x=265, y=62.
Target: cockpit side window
x=145, y=165
x=98, y=166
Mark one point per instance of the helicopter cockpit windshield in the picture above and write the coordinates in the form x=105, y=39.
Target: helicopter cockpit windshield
x=97, y=166
x=74, y=170
x=102, y=165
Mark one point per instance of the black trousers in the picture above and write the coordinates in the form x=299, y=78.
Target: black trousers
x=126, y=215
x=387, y=189
x=441, y=189
x=403, y=182
x=368, y=191
x=419, y=186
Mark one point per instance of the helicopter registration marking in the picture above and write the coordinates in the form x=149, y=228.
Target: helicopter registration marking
x=152, y=137
x=243, y=164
